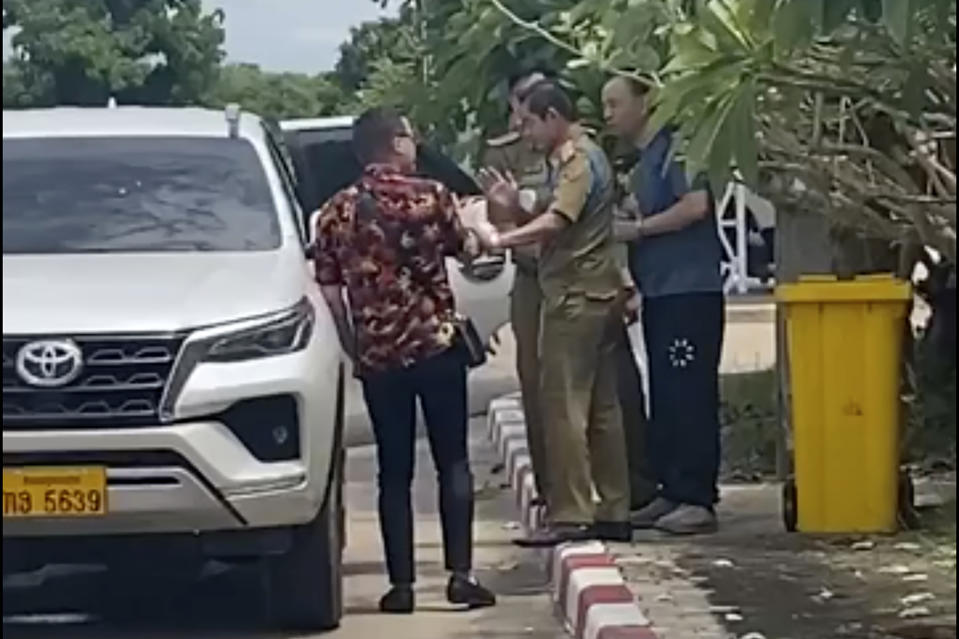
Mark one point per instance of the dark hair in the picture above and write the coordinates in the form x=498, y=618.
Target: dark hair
x=544, y=96
x=374, y=132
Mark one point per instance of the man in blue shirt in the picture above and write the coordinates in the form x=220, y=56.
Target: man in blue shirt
x=674, y=257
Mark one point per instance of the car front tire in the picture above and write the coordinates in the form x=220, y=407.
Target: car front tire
x=305, y=585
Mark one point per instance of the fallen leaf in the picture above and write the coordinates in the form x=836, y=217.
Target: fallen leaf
x=917, y=598
x=915, y=612
x=824, y=594
x=849, y=628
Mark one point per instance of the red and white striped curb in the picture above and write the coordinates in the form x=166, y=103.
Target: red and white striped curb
x=588, y=588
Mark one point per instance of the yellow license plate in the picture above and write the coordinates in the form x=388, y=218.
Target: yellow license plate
x=54, y=492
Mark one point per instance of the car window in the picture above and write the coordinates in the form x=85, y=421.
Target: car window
x=132, y=194
x=325, y=163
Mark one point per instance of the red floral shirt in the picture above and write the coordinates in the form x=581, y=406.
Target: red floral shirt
x=389, y=252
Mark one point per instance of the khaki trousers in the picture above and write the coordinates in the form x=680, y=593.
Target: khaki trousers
x=585, y=443
x=525, y=310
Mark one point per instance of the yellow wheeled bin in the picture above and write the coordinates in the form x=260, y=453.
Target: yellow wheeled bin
x=845, y=343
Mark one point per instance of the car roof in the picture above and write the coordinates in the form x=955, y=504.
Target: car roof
x=306, y=124
x=125, y=121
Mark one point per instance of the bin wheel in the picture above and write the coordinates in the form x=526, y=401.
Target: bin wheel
x=908, y=516
x=790, y=505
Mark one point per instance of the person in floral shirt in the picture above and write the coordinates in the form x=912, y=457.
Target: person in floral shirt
x=384, y=242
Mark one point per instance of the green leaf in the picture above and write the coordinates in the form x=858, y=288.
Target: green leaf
x=757, y=14
x=743, y=125
x=716, y=19
x=690, y=52
x=897, y=16
x=710, y=145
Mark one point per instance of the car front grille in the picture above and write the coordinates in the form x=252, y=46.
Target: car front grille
x=121, y=384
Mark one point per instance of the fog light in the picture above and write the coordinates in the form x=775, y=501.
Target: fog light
x=267, y=426
x=281, y=435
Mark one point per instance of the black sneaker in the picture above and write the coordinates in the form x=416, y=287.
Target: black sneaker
x=617, y=531
x=555, y=535
x=398, y=601
x=468, y=592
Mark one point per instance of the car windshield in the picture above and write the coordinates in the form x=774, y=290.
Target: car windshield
x=132, y=194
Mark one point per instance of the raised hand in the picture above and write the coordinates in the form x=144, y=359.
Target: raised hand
x=501, y=190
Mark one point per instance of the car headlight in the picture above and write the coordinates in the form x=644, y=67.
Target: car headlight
x=286, y=333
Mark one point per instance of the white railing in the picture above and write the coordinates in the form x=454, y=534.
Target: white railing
x=735, y=264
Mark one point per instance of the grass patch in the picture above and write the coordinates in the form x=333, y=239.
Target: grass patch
x=749, y=416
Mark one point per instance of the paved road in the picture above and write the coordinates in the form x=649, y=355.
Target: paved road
x=227, y=605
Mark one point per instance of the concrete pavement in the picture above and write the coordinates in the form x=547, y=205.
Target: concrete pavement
x=228, y=604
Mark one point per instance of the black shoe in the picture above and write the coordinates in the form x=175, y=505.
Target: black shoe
x=462, y=591
x=555, y=535
x=398, y=601
x=621, y=531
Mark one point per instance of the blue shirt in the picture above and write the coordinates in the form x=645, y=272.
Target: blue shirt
x=681, y=262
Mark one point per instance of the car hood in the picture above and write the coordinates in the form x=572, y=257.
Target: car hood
x=121, y=293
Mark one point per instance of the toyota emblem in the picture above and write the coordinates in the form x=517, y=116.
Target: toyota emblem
x=49, y=363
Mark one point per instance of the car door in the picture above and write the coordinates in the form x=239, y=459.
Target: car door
x=324, y=163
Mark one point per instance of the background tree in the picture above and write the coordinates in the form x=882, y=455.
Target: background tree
x=277, y=95
x=141, y=52
x=841, y=107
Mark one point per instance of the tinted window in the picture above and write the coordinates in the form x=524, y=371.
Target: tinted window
x=325, y=163
x=78, y=195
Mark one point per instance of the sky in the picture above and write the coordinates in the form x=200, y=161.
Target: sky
x=287, y=35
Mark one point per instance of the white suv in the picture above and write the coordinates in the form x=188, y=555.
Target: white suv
x=171, y=378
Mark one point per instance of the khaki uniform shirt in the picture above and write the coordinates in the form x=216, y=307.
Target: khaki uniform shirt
x=581, y=257
x=510, y=153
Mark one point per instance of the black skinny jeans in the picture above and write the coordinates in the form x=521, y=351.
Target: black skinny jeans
x=440, y=384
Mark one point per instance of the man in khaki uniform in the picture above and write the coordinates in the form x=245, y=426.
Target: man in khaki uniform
x=510, y=154
x=581, y=319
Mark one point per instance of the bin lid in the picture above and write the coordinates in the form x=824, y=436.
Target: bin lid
x=828, y=288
